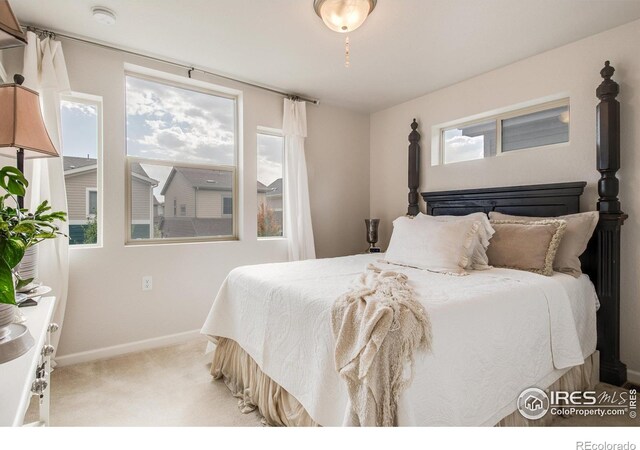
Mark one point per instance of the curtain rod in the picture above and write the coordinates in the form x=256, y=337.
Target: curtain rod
x=189, y=68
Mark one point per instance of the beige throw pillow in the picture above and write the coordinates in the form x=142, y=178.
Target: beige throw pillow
x=443, y=247
x=574, y=242
x=526, y=245
x=479, y=259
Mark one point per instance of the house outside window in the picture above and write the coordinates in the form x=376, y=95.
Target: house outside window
x=81, y=122
x=270, y=154
x=537, y=126
x=183, y=138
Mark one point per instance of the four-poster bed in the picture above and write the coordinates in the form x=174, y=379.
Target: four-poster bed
x=275, y=348
x=601, y=260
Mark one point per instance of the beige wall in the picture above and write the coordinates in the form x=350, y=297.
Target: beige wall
x=140, y=200
x=76, y=186
x=571, y=70
x=209, y=204
x=106, y=305
x=338, y=179
x=183, y=193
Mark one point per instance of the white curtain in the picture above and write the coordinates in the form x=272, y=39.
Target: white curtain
x=297, y=209
x=45, y=71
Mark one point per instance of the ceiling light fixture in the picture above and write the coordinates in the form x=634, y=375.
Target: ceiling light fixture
x=344, y=16
x=103, y=15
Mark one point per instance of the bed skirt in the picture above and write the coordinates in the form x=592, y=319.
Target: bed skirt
x=255, y=390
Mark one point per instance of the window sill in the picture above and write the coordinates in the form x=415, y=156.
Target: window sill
x=162, y=242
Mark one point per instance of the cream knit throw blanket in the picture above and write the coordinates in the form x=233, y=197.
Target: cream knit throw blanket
x=378, y=325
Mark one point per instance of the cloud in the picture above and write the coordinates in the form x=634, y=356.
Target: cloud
x=170, y=123
x=463, y=148
x=80, y=108
x=270, y=158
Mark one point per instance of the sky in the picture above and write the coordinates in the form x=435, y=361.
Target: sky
x=171, y=124
x=79, y=129
x=458, y=147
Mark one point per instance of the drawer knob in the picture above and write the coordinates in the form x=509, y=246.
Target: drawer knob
x=38, y=386
x=53, y=327
x=48, y=350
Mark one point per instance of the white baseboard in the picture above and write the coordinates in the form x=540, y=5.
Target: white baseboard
x=122, y=349
x=633, y=376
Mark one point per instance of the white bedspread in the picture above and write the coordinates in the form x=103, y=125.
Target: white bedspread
x=495, y=333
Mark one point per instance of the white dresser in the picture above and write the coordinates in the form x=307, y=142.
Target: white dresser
x=29, y=374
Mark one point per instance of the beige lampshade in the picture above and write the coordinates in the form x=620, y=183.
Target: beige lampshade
x=11, y=34
x=21, y=123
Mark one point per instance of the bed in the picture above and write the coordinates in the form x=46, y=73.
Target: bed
x=496, y=332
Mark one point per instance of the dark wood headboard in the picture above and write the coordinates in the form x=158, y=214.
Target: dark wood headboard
x=537, y=200
x=601, y=260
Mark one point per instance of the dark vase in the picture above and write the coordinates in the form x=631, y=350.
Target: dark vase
x=372, y=233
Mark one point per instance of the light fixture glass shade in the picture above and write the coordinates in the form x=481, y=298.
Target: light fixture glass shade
x=344, y=16
x=11, y=34
x=22, y=125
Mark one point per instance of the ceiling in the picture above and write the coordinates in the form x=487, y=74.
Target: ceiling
x=405, y=49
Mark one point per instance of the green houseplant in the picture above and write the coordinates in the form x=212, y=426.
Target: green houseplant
x=20, y=229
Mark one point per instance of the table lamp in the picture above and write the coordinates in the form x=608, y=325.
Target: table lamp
x=22, y=128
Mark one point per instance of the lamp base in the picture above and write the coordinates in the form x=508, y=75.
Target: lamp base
x=374, y=250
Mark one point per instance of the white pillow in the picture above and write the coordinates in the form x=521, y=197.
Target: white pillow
x=479, y=259
x=443, y=247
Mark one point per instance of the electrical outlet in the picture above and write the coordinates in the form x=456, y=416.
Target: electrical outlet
x=147, y=283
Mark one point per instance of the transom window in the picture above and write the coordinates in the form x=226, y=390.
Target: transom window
x=538, y=126
x=181, y=159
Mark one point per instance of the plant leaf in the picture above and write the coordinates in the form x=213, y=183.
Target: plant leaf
x=11, y=251
x=13, y=181
x=7, y=291
x=22, y=283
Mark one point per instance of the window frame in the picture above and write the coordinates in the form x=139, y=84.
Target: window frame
x=97, y=102
x=203, y=88
x=498, y=119
x=277, y=133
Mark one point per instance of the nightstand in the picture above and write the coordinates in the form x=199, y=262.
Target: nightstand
x=30, y=373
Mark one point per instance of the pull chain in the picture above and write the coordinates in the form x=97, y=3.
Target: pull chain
x=347, y=53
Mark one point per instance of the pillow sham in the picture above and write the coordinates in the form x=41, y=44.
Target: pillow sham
x=526, y=245
x=580, y=228
x=443, y=247
x=479, y=259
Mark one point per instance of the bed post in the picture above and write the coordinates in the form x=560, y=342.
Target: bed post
x=414, y=169
x=607, y=238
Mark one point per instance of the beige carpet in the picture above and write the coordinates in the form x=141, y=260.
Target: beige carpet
x=169, y=386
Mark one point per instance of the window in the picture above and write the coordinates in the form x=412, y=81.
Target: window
x=227, y=207
x=81, y=157
x=92, y=202
x=270, y=186
x=537, y=126
x=181, y=149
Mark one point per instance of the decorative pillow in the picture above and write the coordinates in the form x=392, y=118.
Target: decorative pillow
x=479, y=259
x=579, y=230
x=526, y=245
x=443, y=247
